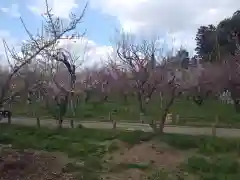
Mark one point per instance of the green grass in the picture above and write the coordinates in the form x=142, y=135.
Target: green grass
x=75, y=142
x=215, y=159
x=163, y=174
x=215, y=168
x=204, y=144
x=84, y=145
x=119, y=168
x=213, y=165
x=85, y=142
x=187, y=109
x=202, y=168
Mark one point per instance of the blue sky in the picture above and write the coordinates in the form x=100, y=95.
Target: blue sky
x=100, y=27
x=173, y=22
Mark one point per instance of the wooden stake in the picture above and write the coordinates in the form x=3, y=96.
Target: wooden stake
x=38, y=122
x=110, y=116
x=177, y=119
x=114, y=124
x=214, y=130
x=9, y=118
x=72, y=123
x=141, y=117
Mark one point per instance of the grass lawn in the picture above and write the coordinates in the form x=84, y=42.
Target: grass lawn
x=118, y=154
x=189, y=112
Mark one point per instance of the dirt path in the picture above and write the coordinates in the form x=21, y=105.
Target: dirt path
x=221, y=132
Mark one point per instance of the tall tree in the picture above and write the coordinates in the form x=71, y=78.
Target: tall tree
x=206, y=42
x=229, y=33
x=40, y=45
x=213, y=43
x=220, y=44
x=183, y=56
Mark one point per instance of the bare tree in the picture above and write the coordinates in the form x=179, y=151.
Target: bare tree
x=139, y=61
x=148, y=77
x=70, y=92
x=40, y=45
x=60, y=89
x=232, y=66
x=217, y=77
x=119, y=83
x=35, y=95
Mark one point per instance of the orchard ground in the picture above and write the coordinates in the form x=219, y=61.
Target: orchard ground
x=189, y=112
x=29, y=152
x=85, y=153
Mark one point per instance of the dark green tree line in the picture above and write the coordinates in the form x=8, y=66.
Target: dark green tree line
x=214, y=42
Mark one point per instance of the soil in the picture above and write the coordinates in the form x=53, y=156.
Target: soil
x=29, y=165
x=153, y=154
x=38, y=165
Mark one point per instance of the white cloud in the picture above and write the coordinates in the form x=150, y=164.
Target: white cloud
x=5, y=35
x=90, y=52
x=11, y=42
x=173, y=18
x=60, y=8
x=12, y=11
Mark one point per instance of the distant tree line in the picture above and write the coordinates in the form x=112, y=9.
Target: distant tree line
x=222, y=40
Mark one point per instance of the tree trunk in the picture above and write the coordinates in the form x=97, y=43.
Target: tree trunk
x=125, y=98
x=9, y=118
x=105, y=98
x=110, y=116
x=140, y=102
x=72, y=123
x=114, y=124
x=141, y=118
x=153, y=126
x=87, y=97
x=38, y=122
x=237, y=105
x=166, y=110
x=234, y=90
x=73, y=111
x=161, y=100
x=60, y=121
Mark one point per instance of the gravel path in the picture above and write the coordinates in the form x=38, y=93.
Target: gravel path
x=221, y=132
